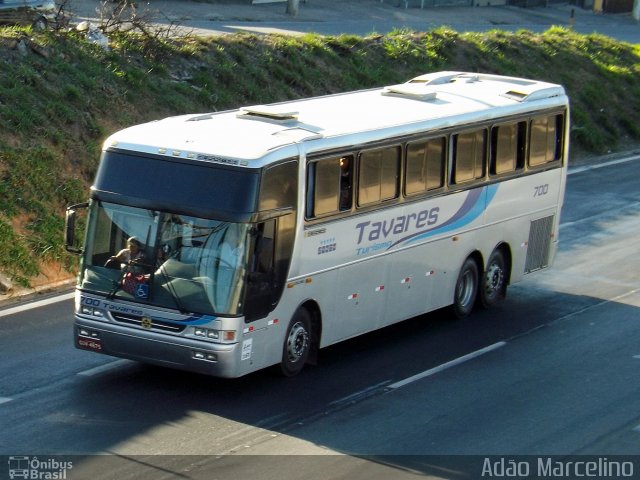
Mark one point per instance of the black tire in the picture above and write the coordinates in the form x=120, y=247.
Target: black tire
x=466, y=291
x=493, y=287
x=297, y=344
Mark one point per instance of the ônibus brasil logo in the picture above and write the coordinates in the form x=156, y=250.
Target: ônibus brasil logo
x=38, y=469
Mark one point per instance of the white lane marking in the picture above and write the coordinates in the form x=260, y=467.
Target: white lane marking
x=5, y=400
x=445, y=366
x=40, y=303
x=602, y=165
x=105, y=368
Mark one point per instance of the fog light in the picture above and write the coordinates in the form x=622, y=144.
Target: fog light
x=210, y=357
x=94, y=312
x=84, y=332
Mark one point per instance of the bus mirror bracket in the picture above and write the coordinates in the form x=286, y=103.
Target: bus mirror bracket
x=70, y=228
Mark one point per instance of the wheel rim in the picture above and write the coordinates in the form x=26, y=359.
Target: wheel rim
x=494, y=278
x=297, y=343
x=466, y=289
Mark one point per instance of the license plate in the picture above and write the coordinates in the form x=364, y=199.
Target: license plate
x=89, y=343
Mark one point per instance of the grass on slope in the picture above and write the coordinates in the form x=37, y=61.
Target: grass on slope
x=60, y=96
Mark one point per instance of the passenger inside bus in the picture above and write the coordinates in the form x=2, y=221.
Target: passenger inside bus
x=345, y=184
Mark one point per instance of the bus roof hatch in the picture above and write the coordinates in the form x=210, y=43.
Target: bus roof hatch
x=269, y=112
x=418, y=91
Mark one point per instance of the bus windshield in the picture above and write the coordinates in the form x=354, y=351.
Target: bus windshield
x=191, y=264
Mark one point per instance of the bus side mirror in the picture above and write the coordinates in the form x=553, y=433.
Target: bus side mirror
x=70, y=228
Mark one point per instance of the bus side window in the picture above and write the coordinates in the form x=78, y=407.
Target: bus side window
x=469, y=155
x=507, y=148
x=279, y=188
x=330, y=186
x=545, y=140
x=262, y=276
x=425, y=166
x=378, y=175
x=263, y=259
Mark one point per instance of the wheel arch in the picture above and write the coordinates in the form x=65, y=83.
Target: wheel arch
x=466, y=288
x=476, y=256
x=313, y=308
x=505, y=249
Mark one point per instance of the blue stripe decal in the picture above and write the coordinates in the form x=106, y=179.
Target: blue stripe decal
x=473, y=206
x=193, y=320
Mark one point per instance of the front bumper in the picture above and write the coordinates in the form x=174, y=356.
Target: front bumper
x=220, y=360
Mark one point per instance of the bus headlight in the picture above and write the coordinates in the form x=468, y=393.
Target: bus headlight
x=219, y=335
x=94, y=312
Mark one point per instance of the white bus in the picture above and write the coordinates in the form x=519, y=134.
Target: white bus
x=263, y=234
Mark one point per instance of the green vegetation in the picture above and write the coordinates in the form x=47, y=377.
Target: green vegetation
x=60, y=96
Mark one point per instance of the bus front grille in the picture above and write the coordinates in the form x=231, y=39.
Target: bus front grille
x=155, y=324
x=539, y=244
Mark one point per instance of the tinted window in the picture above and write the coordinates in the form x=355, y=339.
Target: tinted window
x=469, y=156
x=279, y=186
x=425, y=166
x=193, y=188
x=507, y=148
x=545, y=140
x=378, y=175
x=329, y=186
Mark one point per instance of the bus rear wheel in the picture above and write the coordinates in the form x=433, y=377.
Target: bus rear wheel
x=297, y=344
x=493, y=288
x=466, y=290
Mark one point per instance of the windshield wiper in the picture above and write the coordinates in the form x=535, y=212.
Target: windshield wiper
x=109, y=278
x=116, y=286
x=171, y=290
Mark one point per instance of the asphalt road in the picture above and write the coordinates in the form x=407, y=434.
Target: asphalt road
x=554, y=370
x=362, y=17
x=625, y=32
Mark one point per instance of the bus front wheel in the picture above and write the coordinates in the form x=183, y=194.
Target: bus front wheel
x=297, y=344
x=466, y=290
